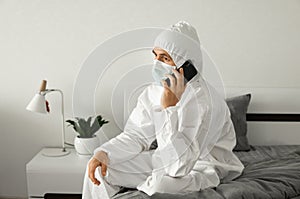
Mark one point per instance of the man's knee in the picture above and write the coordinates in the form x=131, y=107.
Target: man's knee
x=190, y=182
x=168, y=184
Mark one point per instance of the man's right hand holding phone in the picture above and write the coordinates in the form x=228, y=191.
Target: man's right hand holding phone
x=172, y=93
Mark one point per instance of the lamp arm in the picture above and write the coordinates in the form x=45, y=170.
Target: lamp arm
x=46, y=91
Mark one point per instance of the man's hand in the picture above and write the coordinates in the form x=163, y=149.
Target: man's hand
x=172, y=94
x=102, y=161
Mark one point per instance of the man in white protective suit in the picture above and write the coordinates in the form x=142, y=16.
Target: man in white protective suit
x=189, y=120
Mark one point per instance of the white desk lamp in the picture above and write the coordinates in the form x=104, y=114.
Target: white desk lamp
x=39, y=104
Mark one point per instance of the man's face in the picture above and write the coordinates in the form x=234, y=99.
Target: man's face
x=163, y=56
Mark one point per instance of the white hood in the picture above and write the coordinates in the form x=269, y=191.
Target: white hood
x=182, y=43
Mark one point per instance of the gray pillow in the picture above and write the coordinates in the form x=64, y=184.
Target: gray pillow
x=238, y=107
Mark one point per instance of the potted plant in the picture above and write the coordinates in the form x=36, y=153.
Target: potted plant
x=86, y=141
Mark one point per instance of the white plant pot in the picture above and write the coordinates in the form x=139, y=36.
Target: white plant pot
x=86, y=146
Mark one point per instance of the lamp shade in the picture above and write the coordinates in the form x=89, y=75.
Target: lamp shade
x=37, y=104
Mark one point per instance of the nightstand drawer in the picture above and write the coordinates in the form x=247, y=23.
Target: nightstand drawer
x=56, y=174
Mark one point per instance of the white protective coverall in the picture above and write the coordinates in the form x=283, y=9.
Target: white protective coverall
x=195, y=138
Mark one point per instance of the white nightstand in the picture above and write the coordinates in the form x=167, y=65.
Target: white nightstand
x=55, y=174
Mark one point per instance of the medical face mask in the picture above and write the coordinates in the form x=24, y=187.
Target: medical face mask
x=159, y=70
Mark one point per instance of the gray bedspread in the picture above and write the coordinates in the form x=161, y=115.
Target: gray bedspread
x=270, y=172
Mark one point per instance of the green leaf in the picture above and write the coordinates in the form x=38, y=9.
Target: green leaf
x=72, y=123
x=84, y=126
x=89, y=121
x=80, y=131
x=95, y=126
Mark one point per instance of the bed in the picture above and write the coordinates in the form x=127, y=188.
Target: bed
x=270, y=172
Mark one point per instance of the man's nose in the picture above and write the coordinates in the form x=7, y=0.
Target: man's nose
x=158, y=58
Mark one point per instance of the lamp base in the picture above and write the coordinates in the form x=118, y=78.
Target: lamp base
x=54, y=152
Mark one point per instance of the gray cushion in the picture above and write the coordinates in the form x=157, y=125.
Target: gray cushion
x=238, y=107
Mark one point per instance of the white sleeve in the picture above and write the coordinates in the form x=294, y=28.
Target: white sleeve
x=137, y=136
x=179, y=136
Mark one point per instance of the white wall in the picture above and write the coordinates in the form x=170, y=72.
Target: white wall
x=254, y=43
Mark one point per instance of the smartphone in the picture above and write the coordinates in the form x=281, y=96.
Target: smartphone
x=189, y=72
